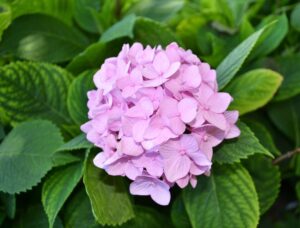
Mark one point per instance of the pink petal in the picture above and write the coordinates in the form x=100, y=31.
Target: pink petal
x=170, y=148
x=187, y=108
x=176, y=167
x=172, y=70
x=149, y=72
x=215, y=119
x=233, y=132
x=231, y=116
x=219, y=102
x=161, y=194
x=193, y=181
x=191, y=76
x=177, y=126
x=189, y=144
x=204, y=93
x=130, y=147
x=168, y=107
x=161, y=62
x=132, y=172
x=198, y=121
x=100, y=159
x=196, y=170
x=183, y=182
x=155, y=82
x=139, y=129
x=146, y=104
x=141, y=186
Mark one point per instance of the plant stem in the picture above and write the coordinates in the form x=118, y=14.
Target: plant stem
x=285, y=156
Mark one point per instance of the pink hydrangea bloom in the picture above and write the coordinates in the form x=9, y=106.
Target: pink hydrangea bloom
x=157, y=115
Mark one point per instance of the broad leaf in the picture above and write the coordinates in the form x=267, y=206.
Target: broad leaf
x=244, y=146
x=271, y=37
x=108, y=195
x=156, y=9
x=77, y=96
x=92, y=57
x=5, y=17
x=26, y=155
x=289, y=67
x=2, y=132
x=153, y=33
x=266, y=179
x=295, y=17
x=225, y=199
x=123, y=28
x=286, y=117
x=34, y=90
x=78, y=212
x=253, y=89
x=64, y=158
x=79, y=142
x=233, y=62
x=264, y=136
x=147, y=217
x=42, y=38
x=61, y=9
x=179, y=215
x=57, y=188
x=9, y=202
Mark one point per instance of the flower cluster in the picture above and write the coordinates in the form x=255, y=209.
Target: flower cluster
x=157, y=114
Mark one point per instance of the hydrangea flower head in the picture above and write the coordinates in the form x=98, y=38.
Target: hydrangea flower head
x=157, y=115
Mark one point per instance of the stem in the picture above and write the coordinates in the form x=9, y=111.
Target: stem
x=285, y=156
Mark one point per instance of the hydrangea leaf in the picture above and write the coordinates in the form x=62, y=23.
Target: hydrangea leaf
x=295, y=17
x=109, y=197
x=78, y=211
x=286, y=117
x=31, y=90
x=56, y=8
x=77, y=96
x=64, y=158
x=38, y=37
x=289, y=67
x=2, y=132
x=9, y=202
x=179, y=215
x=266, y=179
x=153, y=33
x=264, y=136
x=235, y=59
x=253, y=89
x=79, y=142
x=26, y=155
x=156, y=9
x=225, y=199
x=5, y=17
x=57, y=188
x=272, y=36
x=123, y=28
x=244, y=146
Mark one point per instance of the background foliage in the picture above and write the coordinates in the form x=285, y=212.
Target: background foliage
x=49, y=50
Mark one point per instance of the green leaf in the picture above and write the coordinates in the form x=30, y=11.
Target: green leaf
x=9, y=202
x=34, y=90
x=42, y=38
x=64, y=158
x=92, y=57
x=233, y=62
x=271, y=37
x=147, y=217
x=179, y=215
x=26, y=155
x=108, y=195
x=153, y=33
x=289, y=67
x=123, y=28
x=244, y=146
x=225, y=199
x=295, y=17
x=253, y=89
x=266, y=179
x=286, y=117
x=78, y=212
x=2, y=132
x=263, y=135
x=34, y=217
x=298, y=190
x=61, y=9
x=57, y=188
x=79, y=142
x=5, y=17
x=156, y=9
x=77, y=96
x=84, y=14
